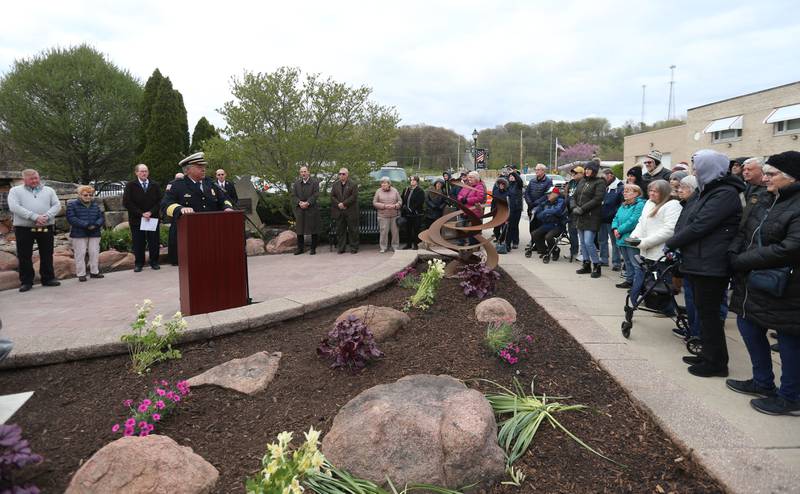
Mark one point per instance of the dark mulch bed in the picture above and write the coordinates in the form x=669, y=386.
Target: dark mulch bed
x=75, y=404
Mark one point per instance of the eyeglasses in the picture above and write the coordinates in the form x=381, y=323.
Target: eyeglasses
x=649, y=162
x=342, y=174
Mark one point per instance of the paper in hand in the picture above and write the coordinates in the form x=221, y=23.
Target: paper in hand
x=149, y=224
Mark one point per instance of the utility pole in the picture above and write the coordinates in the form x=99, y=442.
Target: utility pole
x=552, y=145
x=458, y=153
x=671, y=105
x=520, y=149
x=641, y=122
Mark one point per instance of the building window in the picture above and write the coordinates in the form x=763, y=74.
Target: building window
x=727, y=135
x=787, y=126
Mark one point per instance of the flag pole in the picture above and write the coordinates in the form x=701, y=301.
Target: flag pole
x=555, y=163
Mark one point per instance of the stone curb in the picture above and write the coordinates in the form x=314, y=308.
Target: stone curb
x=213, y=324
x=728, y=454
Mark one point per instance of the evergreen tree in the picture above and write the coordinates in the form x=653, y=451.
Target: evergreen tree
x=164, y=136
x=202, y=131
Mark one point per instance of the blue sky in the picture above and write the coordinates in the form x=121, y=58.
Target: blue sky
x=458, y=64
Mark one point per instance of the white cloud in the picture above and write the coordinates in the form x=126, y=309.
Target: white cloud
x=456, y=64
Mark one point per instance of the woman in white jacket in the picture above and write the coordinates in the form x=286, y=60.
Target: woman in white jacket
x=656, y=226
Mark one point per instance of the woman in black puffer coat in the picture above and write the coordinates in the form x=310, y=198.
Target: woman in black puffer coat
x=705, y=229
x=515, y=191
x=587, y=209
x=770, y=238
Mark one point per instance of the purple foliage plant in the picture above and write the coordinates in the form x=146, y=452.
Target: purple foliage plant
x=349, y=344
x=479, y=280
x=15, y=453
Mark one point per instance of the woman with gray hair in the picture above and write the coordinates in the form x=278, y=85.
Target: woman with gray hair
x=707, y=226
x=387, y=202
x=767, y=247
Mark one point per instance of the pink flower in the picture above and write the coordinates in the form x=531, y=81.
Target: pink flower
x=142, y=425
x=142, y=408
x=528, y=338
x=176, y=398
x=170, y=395
x=130, y=422
x=156, y=417
x=115, y=428
x=128, y=431
x=144, y=433
x=147, y=402
x=164, y=383
x=160, y=405
x=150, y=428
x=160, y=392
x=127, y=403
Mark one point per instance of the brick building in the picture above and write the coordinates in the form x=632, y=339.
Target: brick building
x=756, y=124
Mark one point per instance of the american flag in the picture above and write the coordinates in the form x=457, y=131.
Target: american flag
x=480, y=156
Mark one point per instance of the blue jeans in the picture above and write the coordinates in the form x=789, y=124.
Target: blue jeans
x=587, y=246
x=755, y=339
x=605, y=235
x=631, y=266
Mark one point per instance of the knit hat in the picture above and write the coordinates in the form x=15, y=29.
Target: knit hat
x=592, y=165
x=788, y=162
x=678, y=175
x=655, y=155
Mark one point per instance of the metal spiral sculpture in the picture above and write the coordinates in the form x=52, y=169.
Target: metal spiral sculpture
x=445, y=230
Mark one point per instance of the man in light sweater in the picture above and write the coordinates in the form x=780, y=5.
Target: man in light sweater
x=35, y=207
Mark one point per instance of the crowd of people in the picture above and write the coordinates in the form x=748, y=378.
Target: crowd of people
x=734, y=226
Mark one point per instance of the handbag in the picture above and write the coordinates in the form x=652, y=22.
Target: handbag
x=773, y=280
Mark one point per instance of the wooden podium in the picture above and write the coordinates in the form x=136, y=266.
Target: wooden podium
x=212, y=263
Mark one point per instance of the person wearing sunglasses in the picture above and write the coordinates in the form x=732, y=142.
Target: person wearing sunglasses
x=653, y=169
x=227, y=187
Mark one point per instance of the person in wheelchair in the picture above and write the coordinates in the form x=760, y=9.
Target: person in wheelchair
x=551, y=215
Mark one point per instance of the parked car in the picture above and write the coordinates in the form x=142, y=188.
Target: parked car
x=396, y=175
x=558, y=180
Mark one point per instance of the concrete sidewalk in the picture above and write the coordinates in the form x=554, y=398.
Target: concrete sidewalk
x=592, y=310
x=97, y=312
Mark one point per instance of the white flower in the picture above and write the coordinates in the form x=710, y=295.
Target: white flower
x=284, y=438
x=312, y=437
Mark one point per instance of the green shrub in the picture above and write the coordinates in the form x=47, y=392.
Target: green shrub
x=116, y=239
x=146, y=345
x=163, y=235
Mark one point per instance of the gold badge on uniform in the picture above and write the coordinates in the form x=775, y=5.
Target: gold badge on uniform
x=213, y=193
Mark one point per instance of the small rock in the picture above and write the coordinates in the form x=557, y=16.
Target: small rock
x=8, y=261
x=122, y=226
x=495, y=309
x=383, y=322
x=285, y=242
x=254, y=246
x=144, y=464
x=126, y=262
x=452, y=268
x=249, y=375
x=420, y=429
x=114, y=218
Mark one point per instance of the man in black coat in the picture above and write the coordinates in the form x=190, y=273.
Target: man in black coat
x=142, y=198
x=653, y=170
x=705, y=230
x=227, y=187
x=194, y=192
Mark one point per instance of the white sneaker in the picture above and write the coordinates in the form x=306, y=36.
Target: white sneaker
x=383, y=251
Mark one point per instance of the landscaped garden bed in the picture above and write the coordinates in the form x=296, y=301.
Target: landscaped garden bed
x=76, y=404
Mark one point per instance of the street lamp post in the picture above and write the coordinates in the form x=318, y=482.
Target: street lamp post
x=475, y=149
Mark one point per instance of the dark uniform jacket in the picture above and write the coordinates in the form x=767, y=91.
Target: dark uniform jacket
x=138, y=202
x=779, y=221
x=589, y=194
x=307, y=221
x=186, y=194
x=347, y=194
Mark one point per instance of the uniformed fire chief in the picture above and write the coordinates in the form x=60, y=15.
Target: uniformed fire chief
x=194, y=193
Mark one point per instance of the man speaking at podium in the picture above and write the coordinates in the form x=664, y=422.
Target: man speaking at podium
x=195, y=192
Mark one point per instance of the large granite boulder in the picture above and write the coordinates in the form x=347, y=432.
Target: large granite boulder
x=254, y=246
x=9, y=280
x=8, y=261
x=285, y=242
x=108, y=258
x=495, y=309
x=113, y=203
x=420, y=429
x=144, y=464
x=249, y=375
x=383, y=322
x=63, y=266
x=114, y=218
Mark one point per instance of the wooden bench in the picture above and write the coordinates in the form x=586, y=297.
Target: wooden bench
x=367, y=225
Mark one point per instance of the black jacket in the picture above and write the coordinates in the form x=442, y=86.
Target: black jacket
x=515, y=193
x=230, y=192
x=413, y=201
x=138, y=202
x=780, y=240
x=589, y=194
x=184, y=193
x=706, y=227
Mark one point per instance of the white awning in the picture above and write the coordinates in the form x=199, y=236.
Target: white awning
x=724, y=124
x=783, y=113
